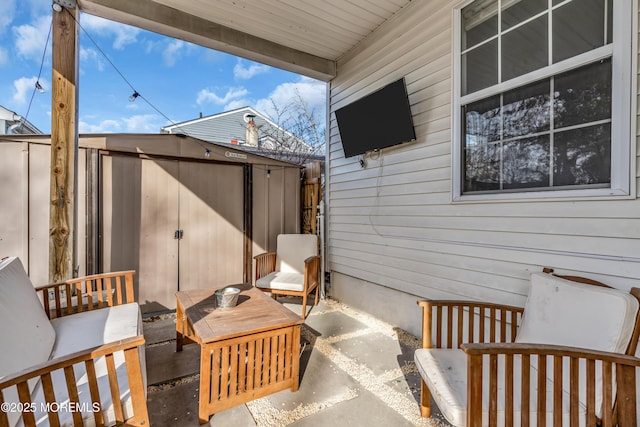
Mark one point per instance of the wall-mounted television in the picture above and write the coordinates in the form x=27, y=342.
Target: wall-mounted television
x=378, y=120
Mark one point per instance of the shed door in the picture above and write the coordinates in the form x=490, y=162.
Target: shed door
x=139, y=218
x=145, y=202
x=211, y=219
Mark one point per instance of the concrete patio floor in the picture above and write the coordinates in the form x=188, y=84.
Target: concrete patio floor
x=354, y=370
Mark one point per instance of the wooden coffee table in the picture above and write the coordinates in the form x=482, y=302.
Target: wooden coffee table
x=246, y=352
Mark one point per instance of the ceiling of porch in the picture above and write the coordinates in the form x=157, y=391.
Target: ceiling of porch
x=303, y=36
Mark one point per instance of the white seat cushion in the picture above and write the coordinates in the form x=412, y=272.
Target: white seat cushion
x=88, y=329
x=445, y=373
x=282, y=281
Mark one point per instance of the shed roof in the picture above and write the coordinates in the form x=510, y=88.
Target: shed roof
x=166, y=145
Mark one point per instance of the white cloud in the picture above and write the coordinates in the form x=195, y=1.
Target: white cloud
x=206, y=96
x=105, y=126
x=237, y=103
x=142, y=123
x=88, y=55
x=7, y=11
x=4, y=57
x=173, y=52
x=122, y=34
x=240, y=72
x=31, y=38
x=313, y=92
x=24, y=87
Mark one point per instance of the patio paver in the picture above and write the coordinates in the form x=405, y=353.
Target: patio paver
x=355, y=370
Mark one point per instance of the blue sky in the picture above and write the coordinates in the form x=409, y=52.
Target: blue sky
x=180, y=79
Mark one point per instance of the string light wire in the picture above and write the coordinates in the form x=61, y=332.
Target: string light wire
x=135, y=92
x=37, y=87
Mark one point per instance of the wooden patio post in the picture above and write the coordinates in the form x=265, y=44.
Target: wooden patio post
x=64, y=141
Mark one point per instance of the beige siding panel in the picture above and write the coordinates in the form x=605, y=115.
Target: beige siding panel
x=276, y=206
x=81, y=224
x=14, y=169
x=24, y=224
x=262, y=240
x=39, y=179
x=38, y=215
x=393, y=222
x=212, y=220
x=120, y=213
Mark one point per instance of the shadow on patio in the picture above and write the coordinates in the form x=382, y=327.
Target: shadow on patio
x=355, y=370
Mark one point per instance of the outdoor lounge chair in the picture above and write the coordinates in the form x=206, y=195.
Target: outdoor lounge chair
x=294, y=269
x=78, y=361
x=563, y=359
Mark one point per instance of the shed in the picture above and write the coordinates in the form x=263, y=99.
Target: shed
x=182, y=212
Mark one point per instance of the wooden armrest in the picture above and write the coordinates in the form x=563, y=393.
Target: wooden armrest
x=494, y=322
x=87, y=293
x=311, y=272
x=265, y=264
x=498, y=348
x=613, y=375
x=43, y=372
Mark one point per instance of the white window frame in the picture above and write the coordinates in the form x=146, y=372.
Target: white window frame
x=623, y=110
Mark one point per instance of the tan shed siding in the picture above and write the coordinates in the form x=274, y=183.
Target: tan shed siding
x=14, y=170
x=393, y=222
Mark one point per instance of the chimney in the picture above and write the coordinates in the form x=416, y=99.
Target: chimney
x=251, y=132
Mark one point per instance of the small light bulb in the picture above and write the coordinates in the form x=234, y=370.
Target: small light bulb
x=207, y=153
x=39, y=87
x=133, y=96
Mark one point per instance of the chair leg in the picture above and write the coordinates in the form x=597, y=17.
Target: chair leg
x=304, y=306
x=317, y=289
x=425, y=400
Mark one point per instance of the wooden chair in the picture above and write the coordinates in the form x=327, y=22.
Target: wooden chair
x=79, y=361
x=294, y=269
x=566, y=358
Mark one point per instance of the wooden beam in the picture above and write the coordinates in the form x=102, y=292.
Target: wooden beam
x=154, y=16
x=64, y=145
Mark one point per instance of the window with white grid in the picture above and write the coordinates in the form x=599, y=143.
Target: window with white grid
x=542, y=97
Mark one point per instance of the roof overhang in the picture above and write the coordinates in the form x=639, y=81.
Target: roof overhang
x=174, y=22
x=305, y=37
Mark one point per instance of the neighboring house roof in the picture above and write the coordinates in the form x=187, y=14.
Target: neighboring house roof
x=229, y=127
x=12, y=123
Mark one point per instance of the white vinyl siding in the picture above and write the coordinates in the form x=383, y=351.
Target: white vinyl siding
x=393, y=222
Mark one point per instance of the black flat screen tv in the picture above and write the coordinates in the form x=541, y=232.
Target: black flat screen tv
x=379, y=120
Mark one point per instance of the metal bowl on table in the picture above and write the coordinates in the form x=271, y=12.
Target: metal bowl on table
x=227, y=297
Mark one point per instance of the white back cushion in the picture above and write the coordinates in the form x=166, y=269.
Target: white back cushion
x=563, y=312
x=293, y=249
x=26, y=333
